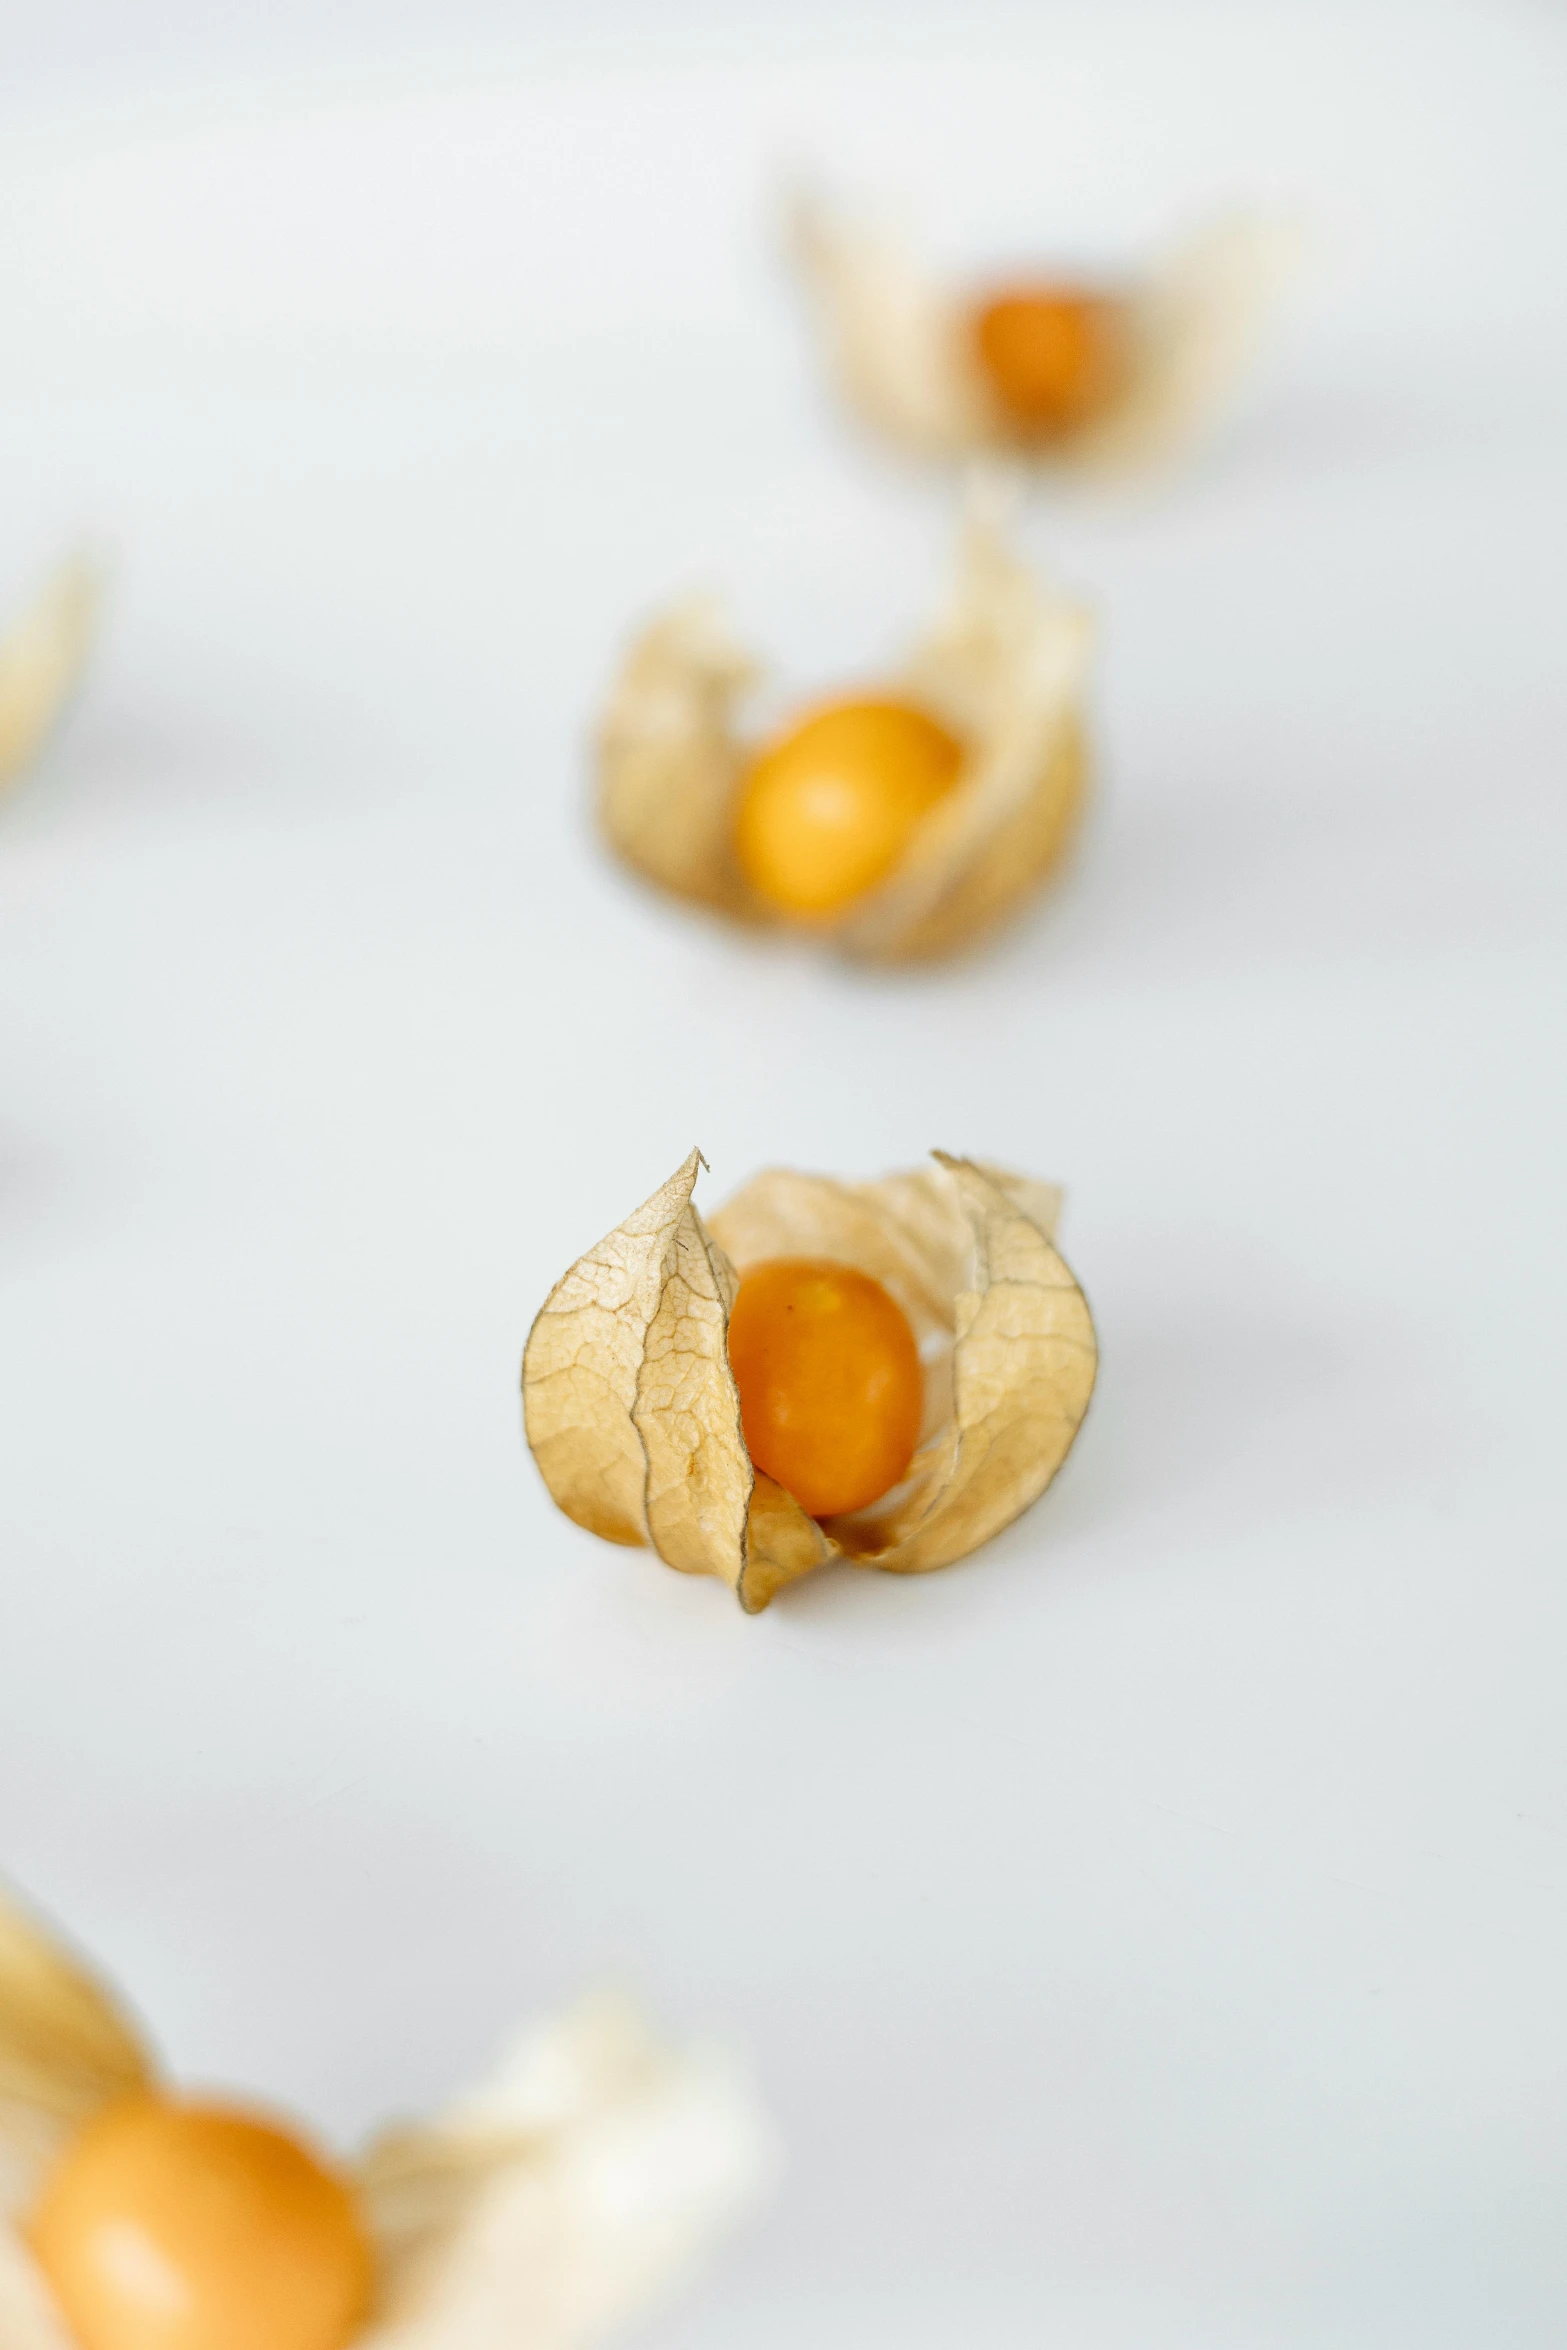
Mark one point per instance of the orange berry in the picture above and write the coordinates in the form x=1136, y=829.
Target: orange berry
x=828, y=809
x=1050, y=355
x=831, y=1390
x=192, y=2227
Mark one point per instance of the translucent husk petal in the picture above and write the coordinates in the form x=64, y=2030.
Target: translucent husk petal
x=67, y=2046
x=669, y=757
x=628, y=1402
x=1004, y=1330
x=889, y=331
x=553, y=2201
x=1005, y=667
x=40, y=661
x=1194, y=324
x=565, y=2193
x=898, y=342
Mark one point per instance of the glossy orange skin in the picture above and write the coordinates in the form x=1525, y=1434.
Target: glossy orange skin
x=831, y=1389
x=826, y=810
x=1050, y=355
x=172, y=2226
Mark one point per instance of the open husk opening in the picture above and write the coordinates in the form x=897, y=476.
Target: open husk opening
x=899, y=343
x=634, y=1418
x=1004, y=668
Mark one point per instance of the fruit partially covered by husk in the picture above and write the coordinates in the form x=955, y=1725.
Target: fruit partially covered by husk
x=41, y=659
x=912, y=357
x=1004, y=671
x=538, y=2212
x=634, y=1415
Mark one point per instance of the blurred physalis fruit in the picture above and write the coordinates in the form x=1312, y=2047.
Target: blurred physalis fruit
x=902, y=824
x=885, y=1372
x=827, y=810
x=171, y=2226
x=548, y=2204
x=1052, y=356
x=1105, y=377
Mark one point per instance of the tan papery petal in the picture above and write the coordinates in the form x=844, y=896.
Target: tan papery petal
x=899, y=344
x=66, y=2044
x=629, y=1404
x=1194, y=326
x=568, y=2191
x=41, y=660
x=966, y=1249
x=66, y=2047
x=1005, y=668
x=669, y=757
x=889, y=332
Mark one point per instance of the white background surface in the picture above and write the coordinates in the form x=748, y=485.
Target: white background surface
x=1151, y=1933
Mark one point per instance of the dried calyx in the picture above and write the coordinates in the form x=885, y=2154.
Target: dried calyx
x=536, y=2213
x=903, y=826
x=41, y=659
x=637, y=1420
x=1100, y=377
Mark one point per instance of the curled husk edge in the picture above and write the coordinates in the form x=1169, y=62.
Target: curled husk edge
x=1005, y=669
x=41, y=659
x=568, y=2189
x=633, y=1415
x=899, y=343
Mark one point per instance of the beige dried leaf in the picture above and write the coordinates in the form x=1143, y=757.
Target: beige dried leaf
x=41, y=660
x=967, y=1251
x=630, y=1410
x=66, y=2045
x=899, y=345
x=1004, y=668
x=669, y=756
x=591, y=2168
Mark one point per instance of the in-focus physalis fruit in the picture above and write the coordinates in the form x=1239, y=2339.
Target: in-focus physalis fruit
x=902, y=824
x=885, y=1372
x=1102, y=376
x=832, y=1393
x=41, y=659
x=171, y=2226
x=546, y=2206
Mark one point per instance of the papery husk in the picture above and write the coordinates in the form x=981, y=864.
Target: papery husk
x=670, y=756
x=631, y=1346
x=564, y=2194
x=568, y=2190
x=900, y=343
x=41, y=659
x=1004, y=668
x=67, y=2047
x=968, y=1252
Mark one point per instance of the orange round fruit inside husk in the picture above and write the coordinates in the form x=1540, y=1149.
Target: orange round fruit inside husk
x=1050, y=355
x=831, y=1389
x=174, y=2226
x=827, y=810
